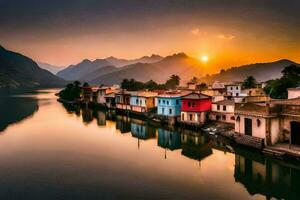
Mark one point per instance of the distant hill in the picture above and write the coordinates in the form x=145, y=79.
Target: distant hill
x=81, y=70
x=51, y=68
x=179, y=64
x=261, y=71
x=17, y=70
x=99, y=72
x=123, y=62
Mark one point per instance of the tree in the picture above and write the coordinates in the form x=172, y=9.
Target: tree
x=151, y=85
x=249, y=82
x=290, y=78
x=71, y=92
x=173, y=82
x=194, y=80
x=202, y=86
x=85, y=84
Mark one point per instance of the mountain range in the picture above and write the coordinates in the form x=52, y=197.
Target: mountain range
x=51, y=68
x=260, y=71
x=17, y=70
x=184, y=66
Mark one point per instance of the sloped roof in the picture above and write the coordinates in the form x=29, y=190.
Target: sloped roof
x=196, y=96
x=294, y=101
x=225, y=102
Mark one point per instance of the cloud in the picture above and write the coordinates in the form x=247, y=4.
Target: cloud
x=195, y=31
x=225, y=37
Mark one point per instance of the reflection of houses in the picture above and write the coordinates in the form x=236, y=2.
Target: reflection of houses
x=277, y=121
x=123, y=123
x=169, y=139
x=141, y=130
x=195, y=145
x=101, y=118
x=223, y=111
x=195, y=107
x=87, y=115
x=267, y=177
x=142, y=101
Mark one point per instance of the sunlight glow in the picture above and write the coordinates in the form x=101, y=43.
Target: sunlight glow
x=204, y=58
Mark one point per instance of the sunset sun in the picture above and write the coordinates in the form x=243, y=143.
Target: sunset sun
x=204, y=58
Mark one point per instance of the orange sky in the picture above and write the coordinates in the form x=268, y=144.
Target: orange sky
x=229, y=34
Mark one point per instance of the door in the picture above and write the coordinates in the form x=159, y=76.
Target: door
x=295, y=133
x=248, y=126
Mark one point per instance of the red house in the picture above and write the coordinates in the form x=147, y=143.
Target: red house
x=195, y=107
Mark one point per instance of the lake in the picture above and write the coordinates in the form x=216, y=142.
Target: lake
x=52, y=151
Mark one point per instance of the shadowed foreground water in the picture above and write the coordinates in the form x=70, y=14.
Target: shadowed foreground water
x=51, y=151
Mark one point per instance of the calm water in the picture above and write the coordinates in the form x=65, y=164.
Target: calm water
x=49, y=151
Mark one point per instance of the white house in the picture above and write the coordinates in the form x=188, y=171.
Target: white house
x=223, y=111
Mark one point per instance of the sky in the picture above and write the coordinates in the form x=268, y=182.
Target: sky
x=227, y=32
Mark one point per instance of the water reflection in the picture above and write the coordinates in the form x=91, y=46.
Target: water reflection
x=64, y=152
x=22, y=108
x=256, y=173
x=267, y=177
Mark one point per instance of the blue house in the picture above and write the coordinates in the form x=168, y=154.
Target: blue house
x=169, y=104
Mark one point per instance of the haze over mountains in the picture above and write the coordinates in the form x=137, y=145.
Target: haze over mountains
x=113, y=70
x=51, y=68
x=17, y=70
x=260, y=71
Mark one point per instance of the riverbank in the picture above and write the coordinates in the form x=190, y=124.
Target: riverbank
x=211, y=128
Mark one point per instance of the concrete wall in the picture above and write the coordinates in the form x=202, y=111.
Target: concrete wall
x=293, y=93
x=261, y=130
x=197, y=117
x=229, y=108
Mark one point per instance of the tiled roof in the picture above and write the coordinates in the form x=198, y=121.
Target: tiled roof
x=194, y=95
x=253, y=109
x=295, y=101
x=225, y=102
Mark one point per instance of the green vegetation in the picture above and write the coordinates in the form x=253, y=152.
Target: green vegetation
x=71, y=92
x=277, y=88
x=249, y=82
x=134, y=85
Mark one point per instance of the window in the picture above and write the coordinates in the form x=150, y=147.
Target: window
x=232, y=118
x=238, y=118
x=159, y=101
x=258, y=122
x=236, y=94
x=137, y=101
x=189, y=104
x=224, y=117
x=231, y=88
x=170, y=111
x=164, y=101
x=140, y=102
x=163, y=110
x=167, y=102
x=191, y=117
x=177, y=101
x=224, y=108
x=218, y=107
x=237, y=87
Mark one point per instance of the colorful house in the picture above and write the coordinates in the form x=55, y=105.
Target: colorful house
x=223, y=111
x=123, y=100
x=195, y=108
x=102, y=91
x=142, y=101
x=169, y=104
